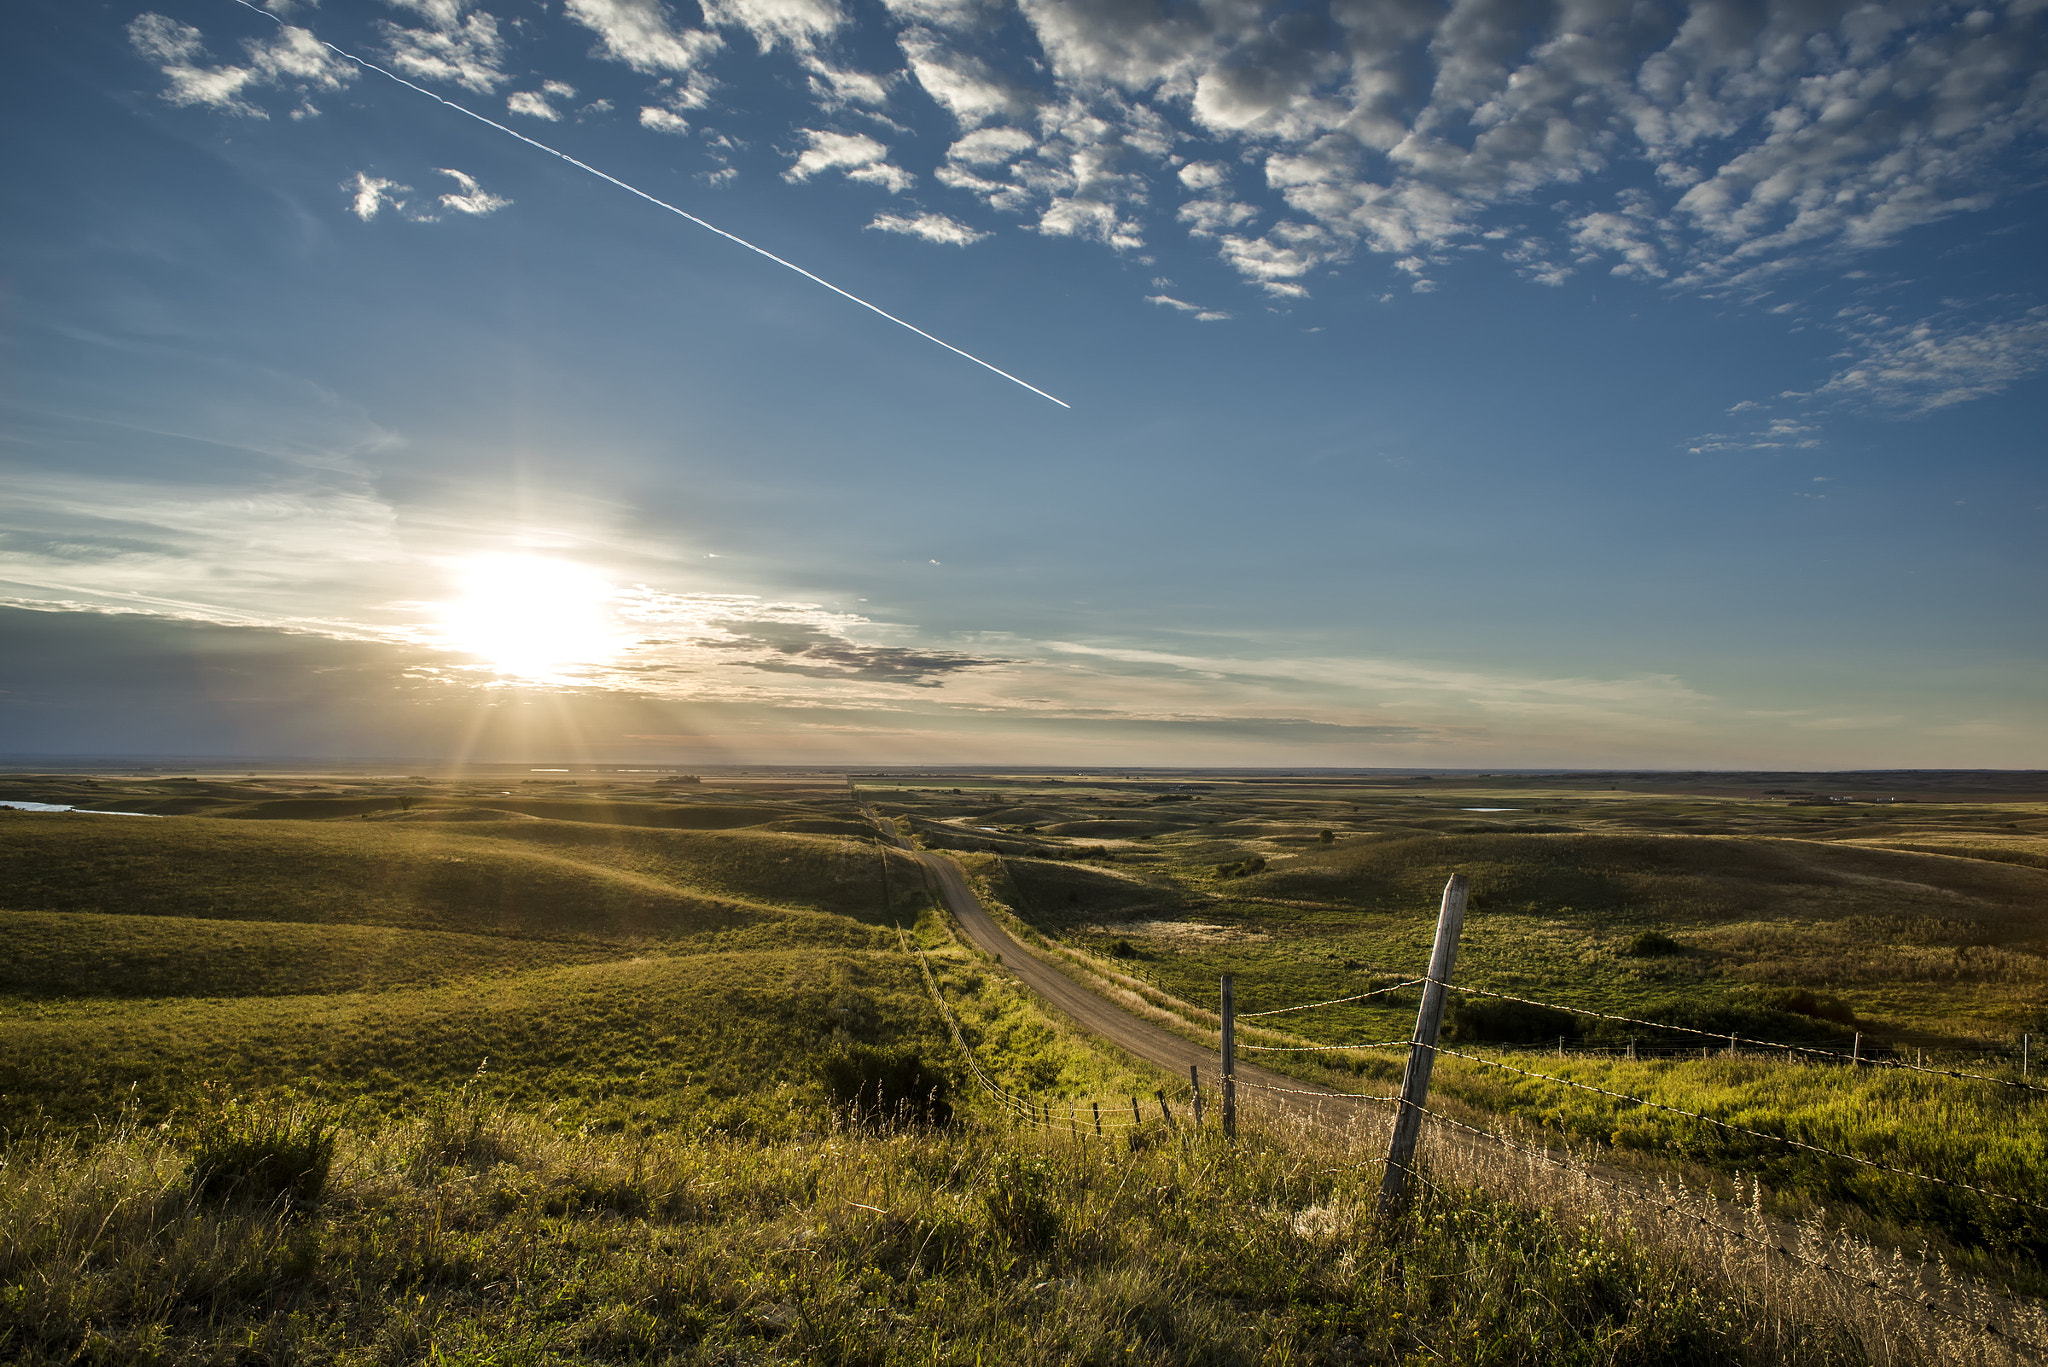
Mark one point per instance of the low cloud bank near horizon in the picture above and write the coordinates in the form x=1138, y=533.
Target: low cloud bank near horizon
x=67, y=687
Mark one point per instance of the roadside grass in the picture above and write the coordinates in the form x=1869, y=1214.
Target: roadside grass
x=530, y=877
x=968, y=1244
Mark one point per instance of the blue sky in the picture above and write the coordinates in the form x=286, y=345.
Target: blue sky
x=1478, y=384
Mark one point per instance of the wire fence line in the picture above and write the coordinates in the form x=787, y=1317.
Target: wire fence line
x=1032, y=1110
x=1929, y=1306
x=1314, y=1048
x=1832, y=1055
x=1740, y=1129
x=1334, y=1001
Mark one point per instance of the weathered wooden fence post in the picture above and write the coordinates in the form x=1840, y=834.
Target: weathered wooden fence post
x=1422, y=1051
x=2026, y=1056
x=1195, y=1089
x=1856, y=1051
x=1160, y=1092
x=1229, y=1060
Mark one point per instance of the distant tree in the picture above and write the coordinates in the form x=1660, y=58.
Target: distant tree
x=1327, y=837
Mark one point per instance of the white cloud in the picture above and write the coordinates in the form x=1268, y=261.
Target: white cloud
x=799, y=24
x=967, y=87
x=290, y=59
x=855, y=155
x=456, y=48
x=643, y=34
x=837, y=87
x=991, y=146
x=470, y=198
x=1935, y=363
x=369, y=194
x=930, y=227
x=663, y=120
x=1201, y=314
x=532, y=104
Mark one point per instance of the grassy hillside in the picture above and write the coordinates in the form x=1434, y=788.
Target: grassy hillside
x=559, y=879
x=1929, y=948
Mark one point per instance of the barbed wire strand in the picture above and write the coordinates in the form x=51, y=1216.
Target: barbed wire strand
x=1929, y=1306
x=1744, y=1039
x=1315, y=1048
x=1742, y=1129
x=1334, y=1001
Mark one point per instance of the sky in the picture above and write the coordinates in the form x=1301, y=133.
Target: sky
x=1342, y=382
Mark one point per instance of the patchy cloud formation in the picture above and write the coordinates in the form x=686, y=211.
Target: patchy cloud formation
x=456, y=48
x=470, y=198
x=797, y=24
x=369, y=195
x=291, y=60
x=930, y=227
x=1917, y=367
x=854, y=155
x=644, y=35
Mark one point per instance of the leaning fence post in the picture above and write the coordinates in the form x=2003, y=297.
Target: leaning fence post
x=1856, y=1051
x=1422, y=1051
x=1195, y=1090
x=2026, y=1056
x=1137, y=1116
x=1161, y=1094
x=1097, y=1107
x=1229, y=1060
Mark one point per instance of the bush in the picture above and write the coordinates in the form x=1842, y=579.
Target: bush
x=264, y=1154
x=1243, y=868
x=1801, y=1002
x=1490, y=1020
x=886, y=1087
x=1653, y=943
x=1123, y=949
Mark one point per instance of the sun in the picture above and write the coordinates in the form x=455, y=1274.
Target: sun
x=530, y=617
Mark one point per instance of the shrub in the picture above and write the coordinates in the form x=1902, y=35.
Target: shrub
x=1243, y=868
x=1490, y=1020
x=886, y=1087
x=264, y=1154
x=1327, y=837
x=1123, y=949
x=1653, y=943
x=1800, y=1001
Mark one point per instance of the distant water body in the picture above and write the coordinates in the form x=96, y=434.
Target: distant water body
x=16, y=805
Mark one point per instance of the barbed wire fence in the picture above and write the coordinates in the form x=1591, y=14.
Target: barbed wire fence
x=1409, y=1105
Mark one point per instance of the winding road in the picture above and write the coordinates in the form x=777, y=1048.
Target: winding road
x=1258, y=1088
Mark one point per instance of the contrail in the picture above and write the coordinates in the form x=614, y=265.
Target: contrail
x=660, y=203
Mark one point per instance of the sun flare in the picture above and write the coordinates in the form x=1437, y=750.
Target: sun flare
x=530, y=617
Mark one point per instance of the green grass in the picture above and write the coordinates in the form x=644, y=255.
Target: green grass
x=963, y=1246
x=76, y=954
x=560, y=879
x=610, y=1041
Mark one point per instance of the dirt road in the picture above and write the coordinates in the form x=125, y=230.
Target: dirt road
x=1129, y=1032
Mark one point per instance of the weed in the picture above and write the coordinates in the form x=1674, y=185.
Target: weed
x=265, y=1154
